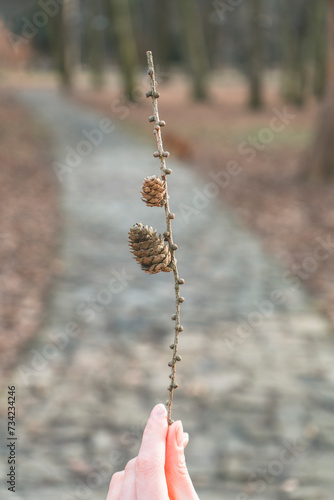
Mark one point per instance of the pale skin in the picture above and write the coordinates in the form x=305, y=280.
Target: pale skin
x=159, y=472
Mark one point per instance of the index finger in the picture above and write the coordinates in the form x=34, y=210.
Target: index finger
x=150, y=464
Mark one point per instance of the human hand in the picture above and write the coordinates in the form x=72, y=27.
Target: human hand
x=159, y=472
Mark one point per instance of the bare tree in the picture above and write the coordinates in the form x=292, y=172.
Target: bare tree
x=128, y=58
x=192, y=29
x=319, y=11
x=95, y=43
x=162, y=33
x=60, y=38
x=294, y=47
x=255, y=55
x=319, y=163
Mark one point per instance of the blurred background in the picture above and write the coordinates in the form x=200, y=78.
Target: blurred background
x=247, y=92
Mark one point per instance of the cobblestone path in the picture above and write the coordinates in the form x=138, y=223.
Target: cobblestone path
x=256, y=380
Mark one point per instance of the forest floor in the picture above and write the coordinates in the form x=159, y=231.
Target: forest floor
x=28, y=228
x=258, y=156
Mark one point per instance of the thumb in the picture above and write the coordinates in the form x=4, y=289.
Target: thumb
x=178, y=480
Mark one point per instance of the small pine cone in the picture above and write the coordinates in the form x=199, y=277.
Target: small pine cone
x=149, y=249
x=153, y=191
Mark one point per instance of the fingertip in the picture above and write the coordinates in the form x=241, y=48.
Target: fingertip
x=179, y=434
x=172, y=429
x=159, y=411
x=176, y=437
x=155, y=432
x=157, y=423
x=130, y=466
x=117, y=477
x=116, y=482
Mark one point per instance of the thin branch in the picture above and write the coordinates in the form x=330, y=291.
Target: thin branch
x=162, y=155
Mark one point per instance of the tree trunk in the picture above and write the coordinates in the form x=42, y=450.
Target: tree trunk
x=320, y=42
x=294, y=45
x=122, y=24
x=214, y=33
x=319, y=164
x=95, y=44
x=192, y=29
x=255, y=56
x=162, y=34
x=60, y=35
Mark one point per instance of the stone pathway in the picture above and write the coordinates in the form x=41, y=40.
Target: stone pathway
x=256, y=380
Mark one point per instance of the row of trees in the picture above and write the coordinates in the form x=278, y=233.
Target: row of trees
x=123, y=17
x=251, y=35
x=303, y=54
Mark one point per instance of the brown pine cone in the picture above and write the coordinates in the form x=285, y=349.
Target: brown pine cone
x=149, y=249
x=153, y=191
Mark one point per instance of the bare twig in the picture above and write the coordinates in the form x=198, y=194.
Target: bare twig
x=162, y=155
